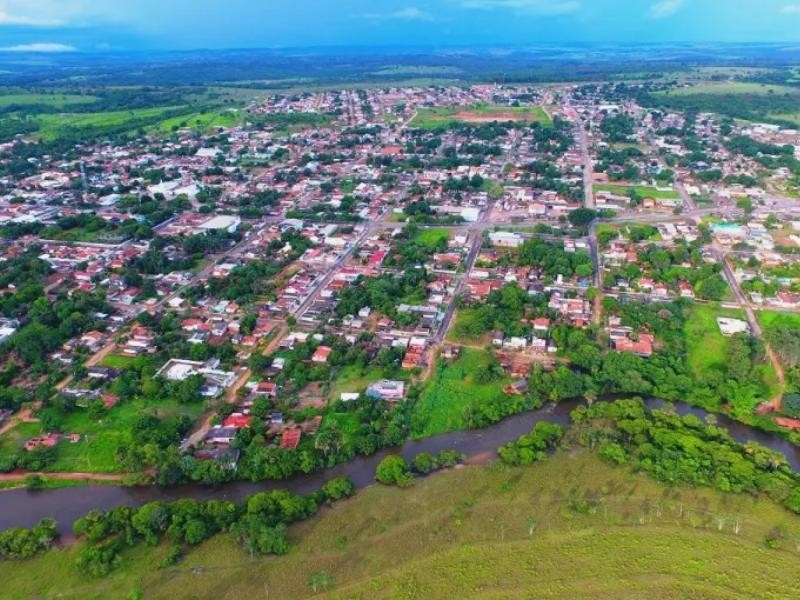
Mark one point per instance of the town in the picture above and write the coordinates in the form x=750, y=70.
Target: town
x=341, y=270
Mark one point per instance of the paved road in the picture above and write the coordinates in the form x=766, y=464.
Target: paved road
x=755, y=326
x=688, y=202
x=451, y=308
x=588, y=166
x=323, y=281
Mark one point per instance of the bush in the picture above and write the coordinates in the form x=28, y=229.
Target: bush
x=532, y=447
x=25, y=543
x=614, y=453
x=424, y=463
x=393, y=470
x=791, y=405
x=338, y=488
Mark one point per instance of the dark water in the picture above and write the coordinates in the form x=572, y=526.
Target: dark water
x=24, y=508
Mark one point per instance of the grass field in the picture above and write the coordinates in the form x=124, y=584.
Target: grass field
x=773, y=319
x=743, y=100
x=430, y=238
x=478, y=532
x=56, y=100
x=464, y=318
x=117, y=361
x=200, y=120
x=450, y=391
x=447, y=116
x=733, y=87
x=707, y=347
x=642, y=191
x=353, y=378
x=57, y=125
x=95, y=453
x=707, y=350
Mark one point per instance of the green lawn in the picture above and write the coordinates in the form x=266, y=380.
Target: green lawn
x=353, y=378
x=432, y=237
x=450, y=391
x=642, y=191
x=117, y=361
x=707, y=347
x=774, y=319
x=478, y=532
x=464, y=318
x=447, y=116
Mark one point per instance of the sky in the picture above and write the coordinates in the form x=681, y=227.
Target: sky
x=49, y=26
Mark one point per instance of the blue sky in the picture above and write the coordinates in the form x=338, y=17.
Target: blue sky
x=91, y=25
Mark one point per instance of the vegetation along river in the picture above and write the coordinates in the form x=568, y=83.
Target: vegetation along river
x=24, y=507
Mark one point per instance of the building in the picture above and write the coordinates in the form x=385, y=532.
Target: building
x=505, y=239
x=227, y=223
x=386, y=389
x=730, y=327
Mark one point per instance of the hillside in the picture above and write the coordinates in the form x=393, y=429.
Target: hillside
x=485, y=531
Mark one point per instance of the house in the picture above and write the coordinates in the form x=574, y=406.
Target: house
x=266, y=388
x=643, y=346
x=237, y=421
x=541, y=324
x=221, y=435
x=227, y=457
x=290, y=438
x=321, y=354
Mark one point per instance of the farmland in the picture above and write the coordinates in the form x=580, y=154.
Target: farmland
x=478, y=531
x=444, y=117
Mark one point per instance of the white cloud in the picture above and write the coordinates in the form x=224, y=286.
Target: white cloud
x=538, y=7
x=48, y=47
x=410, y=13
x=54, y=13
x=665, y=8
x=791, y=9
x=18, y=19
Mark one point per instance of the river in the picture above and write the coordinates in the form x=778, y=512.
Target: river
x=24, y=508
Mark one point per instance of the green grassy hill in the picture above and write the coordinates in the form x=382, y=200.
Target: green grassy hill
x=571, y=527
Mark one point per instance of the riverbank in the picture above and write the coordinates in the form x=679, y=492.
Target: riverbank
x=26, y=507
x=542, y=531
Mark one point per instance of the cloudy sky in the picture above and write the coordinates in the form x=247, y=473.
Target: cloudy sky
x=91, y=25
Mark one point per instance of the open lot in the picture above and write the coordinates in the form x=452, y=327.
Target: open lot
x=443, y=117
x=707, y=347
x=450, y=391
x=100, y=438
